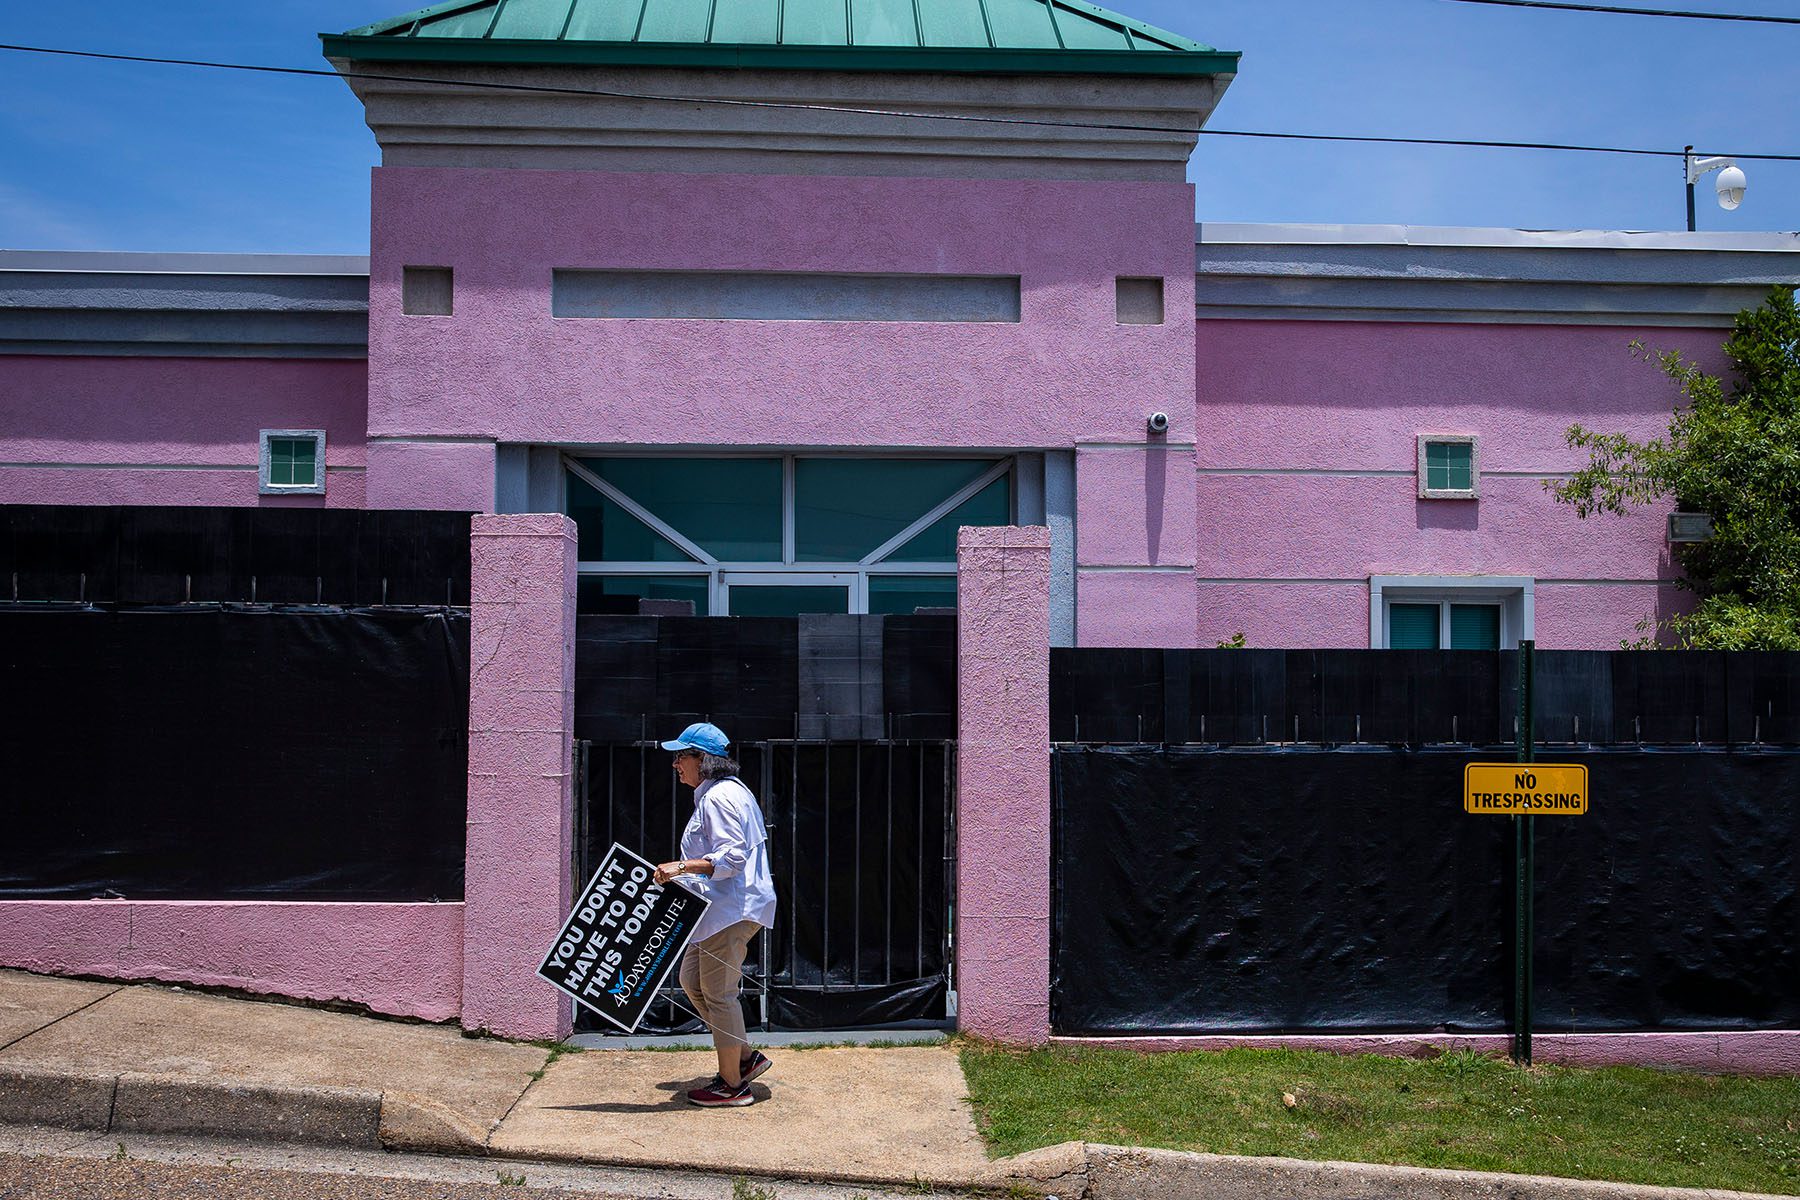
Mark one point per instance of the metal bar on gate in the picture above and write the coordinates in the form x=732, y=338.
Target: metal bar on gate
x=825, y=915
x=919, y=907
x=768, y=964
x=887, y=860
x=950, y=878
x=856, y=898
x=793, y=856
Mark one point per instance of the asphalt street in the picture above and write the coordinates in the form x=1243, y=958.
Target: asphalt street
x=81, y=1178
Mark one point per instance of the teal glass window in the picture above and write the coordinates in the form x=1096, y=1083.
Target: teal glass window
x=621, y=593
x=1450, y=466
x=729, y=507
x=901, y=594
x=992, y=505
x=1474, y=627
x=605, y=532
x=783, y=600
x=293, y=462
x=1413, y=626
x=844, y=508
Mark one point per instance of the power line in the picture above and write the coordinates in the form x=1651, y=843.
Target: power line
x=1619, y=10
x=430, y=81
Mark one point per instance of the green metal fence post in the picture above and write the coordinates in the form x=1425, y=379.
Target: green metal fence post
x=1524, y=865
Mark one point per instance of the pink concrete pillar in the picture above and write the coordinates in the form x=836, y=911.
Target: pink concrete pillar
x=1003, y=783
x=521, y=720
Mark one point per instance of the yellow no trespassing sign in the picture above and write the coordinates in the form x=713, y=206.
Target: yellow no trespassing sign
x=1525, y=789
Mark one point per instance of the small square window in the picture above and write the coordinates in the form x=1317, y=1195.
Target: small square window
x=292, y=462
x=1140, y=301
x=1449, y=466
x=426, y=291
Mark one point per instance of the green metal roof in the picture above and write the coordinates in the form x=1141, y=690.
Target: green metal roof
x=990, y=36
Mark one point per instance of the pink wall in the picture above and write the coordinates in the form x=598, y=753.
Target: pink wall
x=1003, y=783
x=1307, y=457
x=172, y=430
x=503, y=366
x=401, y=959
x=521, y=718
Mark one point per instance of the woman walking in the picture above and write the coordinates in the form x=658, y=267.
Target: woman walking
x=725, y=846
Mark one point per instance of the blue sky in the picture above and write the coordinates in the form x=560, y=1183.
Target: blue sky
x=128, y=157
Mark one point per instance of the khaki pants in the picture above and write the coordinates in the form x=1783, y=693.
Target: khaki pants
x=711, y=972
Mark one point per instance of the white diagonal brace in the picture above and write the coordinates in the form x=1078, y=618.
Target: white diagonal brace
x=948, y=506
x=639, y=511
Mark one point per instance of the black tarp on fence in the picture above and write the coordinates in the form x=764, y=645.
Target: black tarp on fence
x=209, y=752
x=1419, y=697
x=1204, y=890
x=846, y=678
x=105, y=554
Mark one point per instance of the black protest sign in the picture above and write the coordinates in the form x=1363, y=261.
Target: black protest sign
x=623, y=939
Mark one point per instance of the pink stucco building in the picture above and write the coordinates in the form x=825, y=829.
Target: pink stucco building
x=770, y=344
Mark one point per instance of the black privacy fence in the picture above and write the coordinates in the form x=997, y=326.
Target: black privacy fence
x=1422, y=697
x=844, y=678
x=1282, y=889
x=206, y=751
x=173, y=555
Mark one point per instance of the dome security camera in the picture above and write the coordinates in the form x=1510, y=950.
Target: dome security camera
x=1731, y=186
x=1158, y=422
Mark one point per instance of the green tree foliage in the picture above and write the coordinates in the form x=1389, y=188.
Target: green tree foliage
x=1733, y=452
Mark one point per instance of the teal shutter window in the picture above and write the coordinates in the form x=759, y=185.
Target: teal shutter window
x=992, y=505
x=1413, y=626
x=605, y=532
x=1449, y=466
x=901, y=594
x=729, y=507
x=844, y=508
x=620, y=593
x=1474, y=627
x=292, y=462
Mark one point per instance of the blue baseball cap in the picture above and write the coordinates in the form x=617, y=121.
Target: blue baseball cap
x=705, y=737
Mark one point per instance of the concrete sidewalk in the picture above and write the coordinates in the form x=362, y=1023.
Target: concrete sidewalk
x=156, y=1059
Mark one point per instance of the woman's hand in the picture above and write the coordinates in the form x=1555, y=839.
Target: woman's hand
x=669, y=870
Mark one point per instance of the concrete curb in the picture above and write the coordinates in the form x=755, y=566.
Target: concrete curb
x=1132, y=1173
x=34, y=1096
x=134, y=1102
x=349, y=1117
x=365, y=1119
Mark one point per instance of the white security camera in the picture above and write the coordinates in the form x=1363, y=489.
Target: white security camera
x=1730, y=185
x=1730, y=182
x=1158, y=422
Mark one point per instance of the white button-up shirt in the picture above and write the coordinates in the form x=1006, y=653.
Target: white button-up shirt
x=727, y=830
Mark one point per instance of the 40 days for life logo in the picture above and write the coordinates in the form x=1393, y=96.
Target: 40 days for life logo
x=623, y=938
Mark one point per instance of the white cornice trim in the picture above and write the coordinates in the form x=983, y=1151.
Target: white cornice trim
x=1237, y=233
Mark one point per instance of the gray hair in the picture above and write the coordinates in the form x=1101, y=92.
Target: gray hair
x=717, y=766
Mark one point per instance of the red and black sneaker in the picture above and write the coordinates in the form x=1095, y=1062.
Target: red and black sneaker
x=719, y=1094
x=755, y=1065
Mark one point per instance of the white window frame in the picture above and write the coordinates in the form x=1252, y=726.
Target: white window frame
x=265, y=463
x=721, y=574
x=1473, y=491
x=1514, y=594
x=855, y=586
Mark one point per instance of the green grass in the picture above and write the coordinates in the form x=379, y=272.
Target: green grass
x=1461, y=1110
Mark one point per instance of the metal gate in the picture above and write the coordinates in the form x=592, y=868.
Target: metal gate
x=862, y=847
